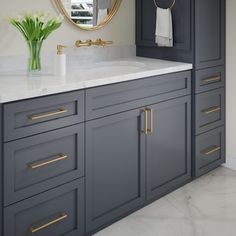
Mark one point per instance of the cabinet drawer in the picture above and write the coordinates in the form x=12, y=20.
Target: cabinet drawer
x=210, y=150
x=38, y=163
x=115, y=98
x=54, y=213
x=208, y=79
x=210, y=110
x=38, y=115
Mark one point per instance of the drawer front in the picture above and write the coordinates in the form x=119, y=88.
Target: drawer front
x=54, y=213
x=38, y=115
x=210, y=150
x=208, y=79
x=38, y=163
x=115, y=98
x=210, y=110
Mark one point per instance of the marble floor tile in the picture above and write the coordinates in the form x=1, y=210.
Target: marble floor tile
x=204, y=207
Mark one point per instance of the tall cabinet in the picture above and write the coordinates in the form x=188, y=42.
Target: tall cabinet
x=199, y=38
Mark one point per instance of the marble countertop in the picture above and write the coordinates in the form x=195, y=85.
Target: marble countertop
x=17, y=85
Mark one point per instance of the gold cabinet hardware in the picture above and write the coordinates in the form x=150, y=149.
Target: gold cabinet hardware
x=210, y=150
x=148, y=124
x=211, y=110
x=145, y=130
x=60, y=157
x=48, y=114
x=211, y=80
x=150, y=111
x=34, y=229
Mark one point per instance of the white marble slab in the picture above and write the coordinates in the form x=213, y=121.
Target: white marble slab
x=17, y=85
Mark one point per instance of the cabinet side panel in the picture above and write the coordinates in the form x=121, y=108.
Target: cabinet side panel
x=1, y=170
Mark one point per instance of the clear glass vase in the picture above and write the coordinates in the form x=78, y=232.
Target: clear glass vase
x=34, y=63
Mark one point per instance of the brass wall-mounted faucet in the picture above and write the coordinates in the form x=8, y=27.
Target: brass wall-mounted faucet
x=89, y=42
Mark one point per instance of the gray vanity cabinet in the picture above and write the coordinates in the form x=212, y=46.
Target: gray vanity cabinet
x=199, y=38
x=121, y=149
x=169, y=146
x=112, y=150
x=115, y=167
x=135, y=156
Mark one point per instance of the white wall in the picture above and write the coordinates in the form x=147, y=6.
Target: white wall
x=231, y=83
x=121, y=29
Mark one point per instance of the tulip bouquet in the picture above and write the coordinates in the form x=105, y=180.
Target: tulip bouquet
x=36, y=27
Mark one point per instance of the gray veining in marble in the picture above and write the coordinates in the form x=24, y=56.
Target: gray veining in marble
x=205, y=207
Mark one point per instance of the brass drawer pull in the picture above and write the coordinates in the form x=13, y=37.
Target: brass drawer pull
x=150, y=111
x=212, y=79
x=48, y=114
x=145, y=130
x=211, y=150
x=60, y=157
x=211, y=110
x=34, y=229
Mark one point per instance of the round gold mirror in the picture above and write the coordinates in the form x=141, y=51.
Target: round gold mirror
x=89, y=14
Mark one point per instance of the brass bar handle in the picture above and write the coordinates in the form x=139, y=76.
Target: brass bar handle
x=145, y=130
x=34, y=229
x=150, y=111
x=211, y=110
x=60, y=157
x=48, y=114
x=213, y=79
x=211, y=150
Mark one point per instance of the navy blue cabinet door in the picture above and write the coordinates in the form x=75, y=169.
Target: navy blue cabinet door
x=209, y=33
x=115, y=159
x=168, y=147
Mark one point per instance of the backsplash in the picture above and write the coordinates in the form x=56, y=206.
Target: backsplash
x=75, y=57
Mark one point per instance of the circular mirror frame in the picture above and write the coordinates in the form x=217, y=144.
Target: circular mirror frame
x=102, y=24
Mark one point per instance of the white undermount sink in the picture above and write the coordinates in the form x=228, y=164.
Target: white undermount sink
x=108, y=68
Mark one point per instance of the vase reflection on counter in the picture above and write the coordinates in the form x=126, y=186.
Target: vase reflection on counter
x=34, y=60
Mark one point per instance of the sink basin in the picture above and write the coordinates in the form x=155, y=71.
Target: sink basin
x=119, y=64
x=109, y=68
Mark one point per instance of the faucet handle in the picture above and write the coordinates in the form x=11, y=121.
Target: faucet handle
x=89, y=42
x=80, y=43
x=101, y=42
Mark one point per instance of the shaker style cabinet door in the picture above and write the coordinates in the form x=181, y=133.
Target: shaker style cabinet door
x=168, y=146
x=115, y=159
x=209, y=33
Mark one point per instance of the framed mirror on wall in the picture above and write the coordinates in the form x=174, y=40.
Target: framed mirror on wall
x=89, y=14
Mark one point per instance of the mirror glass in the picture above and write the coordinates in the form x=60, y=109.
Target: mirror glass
x=89, y=14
